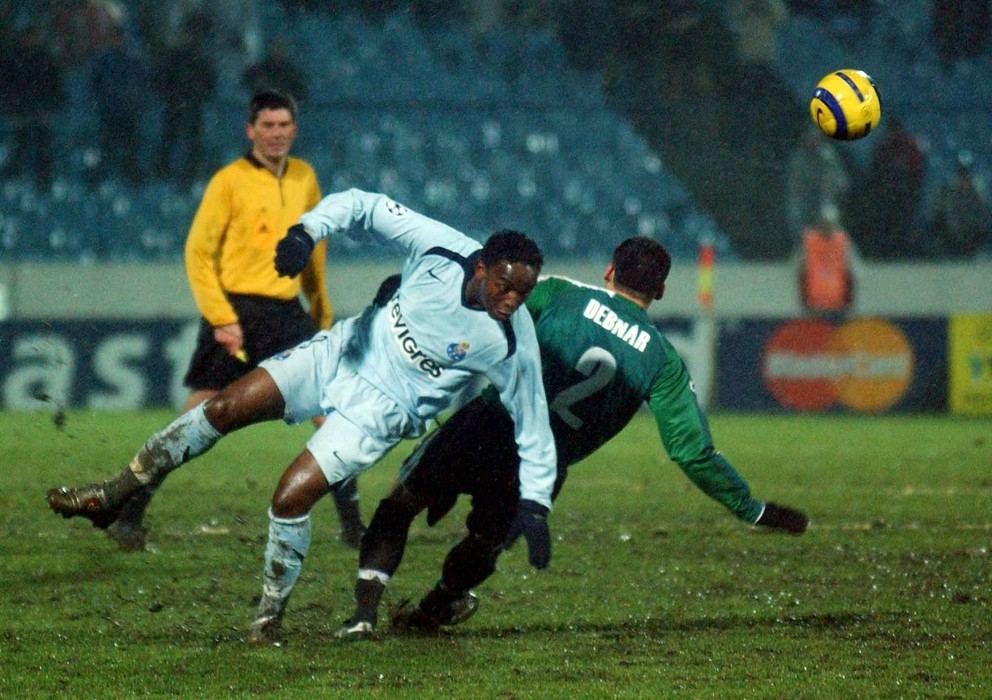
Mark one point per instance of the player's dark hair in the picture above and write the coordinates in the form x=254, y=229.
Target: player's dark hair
x=642, y=266
x=513, y=247
x=270, y=99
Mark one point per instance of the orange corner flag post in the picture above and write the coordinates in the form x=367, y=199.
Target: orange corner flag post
x=707, y=257
x=704, y=370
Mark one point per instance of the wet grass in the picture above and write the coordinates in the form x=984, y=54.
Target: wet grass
x=654, y=591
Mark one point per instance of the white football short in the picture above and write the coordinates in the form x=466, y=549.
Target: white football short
x=361, y=423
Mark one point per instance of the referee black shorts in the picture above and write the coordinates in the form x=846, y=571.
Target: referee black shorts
x=268, y=326
x=474, y=452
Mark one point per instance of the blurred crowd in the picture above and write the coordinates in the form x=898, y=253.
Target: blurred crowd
x=158, y=59
x=160, y=62
x=140, y=61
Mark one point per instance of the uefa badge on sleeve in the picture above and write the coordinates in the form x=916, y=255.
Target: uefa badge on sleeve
x=395, y=208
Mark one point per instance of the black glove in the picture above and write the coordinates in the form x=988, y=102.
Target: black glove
x=531, y=521
x=387, y=288
x=784, y=518
x=293, y=251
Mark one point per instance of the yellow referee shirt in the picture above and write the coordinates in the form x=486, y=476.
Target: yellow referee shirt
x=231, y=245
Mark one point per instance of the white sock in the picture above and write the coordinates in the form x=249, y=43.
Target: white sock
x=289, y=540
x=188, y=436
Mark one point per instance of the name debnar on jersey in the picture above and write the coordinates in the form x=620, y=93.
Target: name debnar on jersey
x=604, y=316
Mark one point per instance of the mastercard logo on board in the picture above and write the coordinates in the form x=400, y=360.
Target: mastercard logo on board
x=812, y=365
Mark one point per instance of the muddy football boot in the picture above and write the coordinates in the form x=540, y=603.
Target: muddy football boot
x=410, y=616
x=127, y=532
x=459, y=610
x=265, y=630
x=356, y=630
x=91, y=502
x=127, y=536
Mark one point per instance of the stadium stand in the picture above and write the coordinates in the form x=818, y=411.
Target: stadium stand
x=484, y=134
x=515, y=138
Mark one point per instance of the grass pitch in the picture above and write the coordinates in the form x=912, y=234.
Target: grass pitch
x=653, y=591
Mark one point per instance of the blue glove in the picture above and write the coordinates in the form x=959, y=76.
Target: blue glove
x=531, y=521
x=293, y=251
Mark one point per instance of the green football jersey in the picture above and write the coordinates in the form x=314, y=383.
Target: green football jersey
x=602, y=358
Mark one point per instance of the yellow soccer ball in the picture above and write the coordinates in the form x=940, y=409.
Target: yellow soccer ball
x=846, y=105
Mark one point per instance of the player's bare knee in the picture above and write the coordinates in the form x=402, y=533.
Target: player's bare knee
x=219, y=411
x=299, y=489
x=253, y=398
x=290, y=503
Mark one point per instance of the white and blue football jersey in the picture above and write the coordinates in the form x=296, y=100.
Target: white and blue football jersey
x=427, y=344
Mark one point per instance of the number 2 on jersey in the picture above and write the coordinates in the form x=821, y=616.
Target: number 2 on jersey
x=598, y=366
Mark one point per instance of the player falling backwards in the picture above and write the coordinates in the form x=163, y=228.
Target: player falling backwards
x=378, y=378
x=602, y=358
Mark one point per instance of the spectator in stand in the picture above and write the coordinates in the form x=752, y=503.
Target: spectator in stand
x=120, y=89
x=756, y=24
x=81, y=27
x=581, y=29
x=33, y=93
x=884, y=208
x=829, y=267
x=816, y=177
x=961, y=220
x=237, y=25
x=277, y=71
x=184, y=79
x=8, y=62
x=961, y=29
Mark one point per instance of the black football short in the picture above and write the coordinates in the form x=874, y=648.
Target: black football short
x=475, y=453
x=268, y=326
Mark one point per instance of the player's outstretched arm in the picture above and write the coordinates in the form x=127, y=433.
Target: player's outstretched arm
x=783, y=519
x=685, y=432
